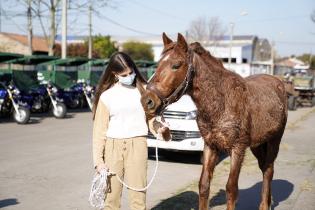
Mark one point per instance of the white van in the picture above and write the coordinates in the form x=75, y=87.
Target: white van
x=181, y=117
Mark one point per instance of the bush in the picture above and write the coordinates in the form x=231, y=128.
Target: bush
x=138, y=50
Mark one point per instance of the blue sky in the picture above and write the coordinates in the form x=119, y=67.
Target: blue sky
x=286, y=22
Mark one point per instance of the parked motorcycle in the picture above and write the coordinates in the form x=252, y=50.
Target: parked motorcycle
x=37, y=99
x=73, y=97
x=59, y=109
x=11, y=104
x=88, y=91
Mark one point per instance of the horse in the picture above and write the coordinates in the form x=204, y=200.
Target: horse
x=233, y=113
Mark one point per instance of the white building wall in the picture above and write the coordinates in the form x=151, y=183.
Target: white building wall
x=157, y=50
x=224, y=52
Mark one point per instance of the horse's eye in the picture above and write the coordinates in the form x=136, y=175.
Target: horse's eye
x=176, y=66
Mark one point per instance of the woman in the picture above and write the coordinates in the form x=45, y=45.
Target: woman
x=119, y=130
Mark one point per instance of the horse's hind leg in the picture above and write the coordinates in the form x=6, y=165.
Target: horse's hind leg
x=266, y=155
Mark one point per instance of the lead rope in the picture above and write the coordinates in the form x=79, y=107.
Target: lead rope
x=100, y=181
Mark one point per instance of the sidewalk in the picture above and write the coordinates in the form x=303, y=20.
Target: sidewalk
x=293, y=186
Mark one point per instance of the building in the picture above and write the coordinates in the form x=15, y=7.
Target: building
x=288, y=65
x=16, y=43
x=249, y=54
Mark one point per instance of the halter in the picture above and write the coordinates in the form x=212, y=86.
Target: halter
x=180, y=90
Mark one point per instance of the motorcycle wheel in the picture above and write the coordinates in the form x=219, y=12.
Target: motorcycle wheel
x=23, y=117
x=60, y=111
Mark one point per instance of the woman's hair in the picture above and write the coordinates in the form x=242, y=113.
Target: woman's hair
x=118, y=63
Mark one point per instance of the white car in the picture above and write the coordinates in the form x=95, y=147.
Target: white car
x=181, y=117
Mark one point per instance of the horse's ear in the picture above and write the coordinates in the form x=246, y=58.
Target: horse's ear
x=181, y=42
x=166, y=39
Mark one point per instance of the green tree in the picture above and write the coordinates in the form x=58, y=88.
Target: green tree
x=138, y=50
x=307, y=58
x=103, y=46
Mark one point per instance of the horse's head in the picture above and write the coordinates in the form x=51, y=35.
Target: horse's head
x=170, y=81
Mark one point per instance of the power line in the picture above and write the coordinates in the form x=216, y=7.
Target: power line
x=127, y=27
x=295, y=42
x=276, y=19
x=158, y=11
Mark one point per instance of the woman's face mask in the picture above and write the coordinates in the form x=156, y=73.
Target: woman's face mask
x=127, y=80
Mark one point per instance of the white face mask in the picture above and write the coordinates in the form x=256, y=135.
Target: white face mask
x=127, y=80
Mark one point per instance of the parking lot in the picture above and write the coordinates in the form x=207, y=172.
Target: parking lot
x=47, y=164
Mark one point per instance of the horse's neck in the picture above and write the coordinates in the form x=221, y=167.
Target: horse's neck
x=206, y=91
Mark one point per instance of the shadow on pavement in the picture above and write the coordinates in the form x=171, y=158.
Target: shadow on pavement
x=8, y=202
x=180, y=157
x=249, y=198
x=184, y=201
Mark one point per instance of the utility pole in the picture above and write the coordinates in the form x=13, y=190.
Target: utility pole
x=90, y=31
x=0, y=16
x=52, y=36
x=29, y=27
x=64, y=30
x=310, y=60
x=231, y=40
x=272, y=58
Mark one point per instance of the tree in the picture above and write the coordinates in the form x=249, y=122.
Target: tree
x=309, y=59
x=207, y=31
x=103, y=46
x=42, y=9
x=138, y=50
x=313, y=16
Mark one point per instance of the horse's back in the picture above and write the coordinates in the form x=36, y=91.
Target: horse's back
x=268, y=107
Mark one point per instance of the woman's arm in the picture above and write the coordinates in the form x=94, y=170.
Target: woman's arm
x=100, y=126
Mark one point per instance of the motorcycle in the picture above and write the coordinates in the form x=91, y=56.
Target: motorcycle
x=59, y=109
x=11, y=103
x=37, y=99
x=73, y=96
x=88, y=91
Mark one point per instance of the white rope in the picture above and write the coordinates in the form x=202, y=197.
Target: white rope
x=99, y=189
x=99, y=186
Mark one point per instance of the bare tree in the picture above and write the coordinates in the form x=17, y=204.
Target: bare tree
x=207, y=31
x=43, y=9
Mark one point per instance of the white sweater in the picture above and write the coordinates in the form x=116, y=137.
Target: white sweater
x=127, y=118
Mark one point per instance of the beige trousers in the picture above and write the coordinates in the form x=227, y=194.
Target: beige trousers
x=128, y=159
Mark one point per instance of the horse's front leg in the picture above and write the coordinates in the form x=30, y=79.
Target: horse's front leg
x=237, y=156
x=210, y=157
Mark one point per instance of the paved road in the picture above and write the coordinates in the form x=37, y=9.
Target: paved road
x=47, y=164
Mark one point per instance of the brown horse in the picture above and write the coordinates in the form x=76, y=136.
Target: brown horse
x=233, y=113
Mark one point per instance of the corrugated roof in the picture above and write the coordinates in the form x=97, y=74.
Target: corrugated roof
x=39, y=43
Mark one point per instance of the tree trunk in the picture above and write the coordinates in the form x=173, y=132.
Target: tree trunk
x=29, y=28
x=52, y=34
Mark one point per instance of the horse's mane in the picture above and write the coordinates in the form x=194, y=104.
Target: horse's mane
x=202, y=52
x=205, y=54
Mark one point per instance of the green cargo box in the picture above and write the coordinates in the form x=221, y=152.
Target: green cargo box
x=92, y=71
x=23, y=70
x=62, y=72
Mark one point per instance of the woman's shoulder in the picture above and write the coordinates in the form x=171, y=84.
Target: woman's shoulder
x=107, y=94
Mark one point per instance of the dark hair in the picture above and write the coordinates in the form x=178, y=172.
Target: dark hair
x=118, y=62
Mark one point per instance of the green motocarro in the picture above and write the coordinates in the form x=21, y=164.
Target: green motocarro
x=92, y=71
x=63, y=74
x=89, y=76
x=146, y=68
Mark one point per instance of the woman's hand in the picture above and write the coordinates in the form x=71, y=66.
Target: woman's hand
x=165, y=133
x=101, y=167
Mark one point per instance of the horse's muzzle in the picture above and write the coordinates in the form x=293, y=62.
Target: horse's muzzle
x=150, y=102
